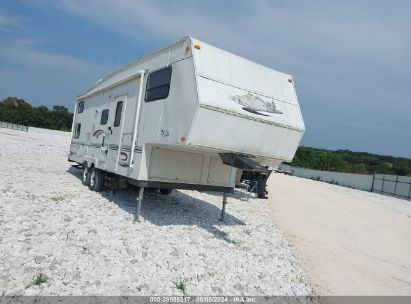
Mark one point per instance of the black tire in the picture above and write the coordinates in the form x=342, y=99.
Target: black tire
x=96, y=179
x=166, y=191
x=85, y=178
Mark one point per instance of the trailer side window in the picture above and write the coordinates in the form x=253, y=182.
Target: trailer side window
x=118, y=113
x=77, y=130
x=104, y=117
x=80, y=107
x=158, y=84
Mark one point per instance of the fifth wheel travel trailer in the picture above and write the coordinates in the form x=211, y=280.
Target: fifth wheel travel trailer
x=185, y=117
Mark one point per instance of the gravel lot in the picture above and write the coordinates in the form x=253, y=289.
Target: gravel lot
x=87, y=243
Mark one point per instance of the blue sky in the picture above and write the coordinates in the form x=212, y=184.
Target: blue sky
x=350, y=59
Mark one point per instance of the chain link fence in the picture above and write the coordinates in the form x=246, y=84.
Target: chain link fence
x=13, y=126
x=392, y=185
x=395, y=185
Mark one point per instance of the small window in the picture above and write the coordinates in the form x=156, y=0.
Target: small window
x=118, y=113
x=158, y=84
x=77, y=130
x=104, y=117
x=80, y=107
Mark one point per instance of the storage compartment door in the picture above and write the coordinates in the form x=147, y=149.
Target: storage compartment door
x=175, y=166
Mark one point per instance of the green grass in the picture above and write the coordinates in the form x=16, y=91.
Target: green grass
x=180, y=285
x=38, y=280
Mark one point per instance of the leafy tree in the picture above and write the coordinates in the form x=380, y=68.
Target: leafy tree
x=18, y=111
x=348, y=161
x=60, y=118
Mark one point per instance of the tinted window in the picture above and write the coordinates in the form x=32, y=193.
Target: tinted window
x=80, y=107
x=118, y=113
x=158, y=84
x=104, y=117
x=77, y=131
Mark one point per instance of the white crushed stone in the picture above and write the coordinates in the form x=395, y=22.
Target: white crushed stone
x=87, y=243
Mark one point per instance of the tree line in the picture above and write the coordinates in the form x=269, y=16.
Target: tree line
x=18, y=111
x=351, y=162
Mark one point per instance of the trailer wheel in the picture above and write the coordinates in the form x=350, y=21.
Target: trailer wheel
x=96, y=179
x=166, y=191
x=85, y=180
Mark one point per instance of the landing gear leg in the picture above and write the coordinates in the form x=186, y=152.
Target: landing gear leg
x=261, y=186
x=223, y=209
x=139, y=199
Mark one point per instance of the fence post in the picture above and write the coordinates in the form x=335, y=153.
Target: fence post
x=372, y=184
x=395, y=186
x=382, y=186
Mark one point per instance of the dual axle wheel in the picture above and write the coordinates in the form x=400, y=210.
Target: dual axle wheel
x=93, y=178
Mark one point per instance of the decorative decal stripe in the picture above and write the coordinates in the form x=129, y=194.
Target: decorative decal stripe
x=225, y=111
x=255, y=104
x=123, y=156
x=125, y=150
x=111, y=147
x=99, y=131
x=245, y=89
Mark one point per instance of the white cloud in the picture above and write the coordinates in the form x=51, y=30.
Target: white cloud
x=332, y=45
x=340, y=29
x=9, y=21
x=44, y=77
x=50, y=61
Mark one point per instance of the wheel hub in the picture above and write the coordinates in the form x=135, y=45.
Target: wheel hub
x=92, y=179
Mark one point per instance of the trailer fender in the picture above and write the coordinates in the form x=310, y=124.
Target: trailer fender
x=90, y=160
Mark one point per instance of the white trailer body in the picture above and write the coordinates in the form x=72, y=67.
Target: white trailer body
x=167, y=119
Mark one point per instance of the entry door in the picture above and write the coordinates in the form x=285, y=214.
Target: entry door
x=116, y=130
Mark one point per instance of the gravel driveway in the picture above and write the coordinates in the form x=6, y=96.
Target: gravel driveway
x=59, y=238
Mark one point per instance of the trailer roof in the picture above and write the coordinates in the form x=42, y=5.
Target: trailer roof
x=102, y=82
x=121, y=74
